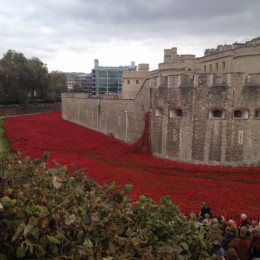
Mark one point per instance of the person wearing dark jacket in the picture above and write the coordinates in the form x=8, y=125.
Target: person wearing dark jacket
x=255, y=247
x=230, y=234
x=205, y=210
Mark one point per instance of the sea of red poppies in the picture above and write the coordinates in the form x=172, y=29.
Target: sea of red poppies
x=226, y=190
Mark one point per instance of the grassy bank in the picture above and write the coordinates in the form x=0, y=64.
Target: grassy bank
x=4, y=143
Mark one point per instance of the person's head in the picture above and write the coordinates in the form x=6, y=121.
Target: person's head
x=254, y=223
x=231, y=222
x=257, y=230
x=243, y=231
x=214, y=221
x=231, y=225
x=243, y=217
x=221, y=219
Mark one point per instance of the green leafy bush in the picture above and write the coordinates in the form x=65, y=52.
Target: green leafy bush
x=50, y=214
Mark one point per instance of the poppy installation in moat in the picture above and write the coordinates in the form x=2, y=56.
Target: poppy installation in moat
x=227, y=190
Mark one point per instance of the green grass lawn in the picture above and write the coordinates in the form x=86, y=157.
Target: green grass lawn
x=4, y=144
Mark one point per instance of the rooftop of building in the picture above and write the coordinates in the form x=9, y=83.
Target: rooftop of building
x=112, y=68
x=232, y=47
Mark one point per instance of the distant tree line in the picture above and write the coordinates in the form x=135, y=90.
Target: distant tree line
x=24, y=81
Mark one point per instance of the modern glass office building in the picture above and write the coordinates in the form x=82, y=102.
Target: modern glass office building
x=108, y=80
x=80, y=79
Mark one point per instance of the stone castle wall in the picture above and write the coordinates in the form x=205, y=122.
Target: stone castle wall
x=122, y=118
x=133, y=81
x=238, y=57
x=14, y=110
x=204, y=110
x=183, y=126
x=195, y=135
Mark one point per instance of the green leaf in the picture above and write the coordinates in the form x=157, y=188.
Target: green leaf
x=53, y=240
x=35, y=233
x=8, y=191
x=12, y=224
x=18, y=232
x=128, y=188
x=129, y=232
x=193, y=216
x=3, y=257
x=118, y=197
x=37, y=162
x=184, y=246
x=51, y=203
x=43, y=242
x=7, y=202
x=38, y=210
x=21, y=251
x=201, y=233
x=87, y=219
x=28, y=228
x=55, y=172
x=88, y=243
x=34, y=221
x=54, y=249
x=111, y=186
x=69, y=219
x=46, y=155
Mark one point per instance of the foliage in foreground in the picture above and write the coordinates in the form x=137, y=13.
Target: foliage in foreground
x=48, y=214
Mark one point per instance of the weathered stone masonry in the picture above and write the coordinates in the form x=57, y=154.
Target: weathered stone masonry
x=193, y=135
x=197, y=137
x=204, y=110
x=122, y=118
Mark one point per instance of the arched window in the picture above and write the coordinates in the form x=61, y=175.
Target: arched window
x=237, y=113
x=216, y=113
x=241, y=113
x=257, y=113
x=179, y=112
x=223, y=65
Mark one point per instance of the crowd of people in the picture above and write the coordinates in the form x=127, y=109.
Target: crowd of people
x=236, y=241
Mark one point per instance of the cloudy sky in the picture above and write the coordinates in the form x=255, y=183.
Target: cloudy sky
x=67, y=35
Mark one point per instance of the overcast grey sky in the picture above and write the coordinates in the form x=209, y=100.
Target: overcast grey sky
x=68, y=35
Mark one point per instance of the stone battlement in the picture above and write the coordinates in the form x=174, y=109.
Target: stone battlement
x=232, y=47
